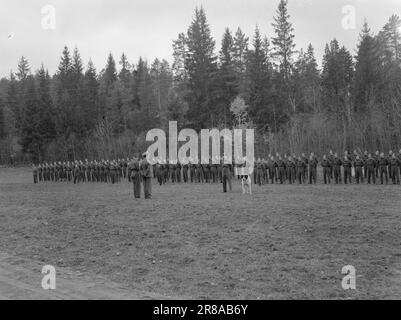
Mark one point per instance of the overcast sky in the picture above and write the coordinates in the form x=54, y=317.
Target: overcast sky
x=146, y=28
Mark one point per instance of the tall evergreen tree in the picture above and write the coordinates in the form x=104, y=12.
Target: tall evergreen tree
x=259, y=90
x=240, y=48
x=23, y=69
x=45, y=108
x=180, y=51
x=283, y=42
x=366, y=70
x=227, y=79
x=201, y=67
x=31, y=138
x=125, y=74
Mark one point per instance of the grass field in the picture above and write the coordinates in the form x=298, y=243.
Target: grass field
x=193, y=241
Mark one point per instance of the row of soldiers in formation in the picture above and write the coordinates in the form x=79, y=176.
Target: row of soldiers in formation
x=109, y=171
x=276, y=169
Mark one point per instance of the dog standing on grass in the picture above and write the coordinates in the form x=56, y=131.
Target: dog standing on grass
x=246, y=183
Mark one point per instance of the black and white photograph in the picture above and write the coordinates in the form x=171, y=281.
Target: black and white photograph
x=217, y=151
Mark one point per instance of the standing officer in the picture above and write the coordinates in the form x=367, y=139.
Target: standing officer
x=365, y=159
x=305, y=161
x=395, y=169
x=337, y=163
x=136, y=177
x=390, y=156
x=281, y=169
x=226, y=172
x=300, y=170
x=272, y=164
x=377, y=159
x=326, y=165
x=383, y=163
x=370, y=167
x=358, y=165
x=347, y=164
x=291, y=170
x=185, y=168
x=331, y=161
x=312, y=168
x=192, y=170
x=146, y=177
x=35, y=174
x=159, y=172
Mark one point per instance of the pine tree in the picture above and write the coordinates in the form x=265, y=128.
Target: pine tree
x=162, y=83
x=23, y=69
x=337, y=78
x=227, y=82
x=259, y=89
x=91, y=99
x=65, y=69
x=31, y=138
x=110, y=73
x=125, y=73
x=45, y=109
x=306, y=81
x=201, y=67
x=392, y=33
x=240, y=48
x=366, y=71
x=180, y=51
x=283, y=42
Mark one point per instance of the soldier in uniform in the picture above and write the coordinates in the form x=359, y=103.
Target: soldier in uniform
x=281, y=169
x=192, y=170
x=395, y=169
x=272, y=170
x=159, y=172
x=226, y=172
x=206, y=171
x=258, y=172
x=383, y=163
x=365, y=159
x=291, y=170
x=347, y=164
x=377, y=158
x=146, y=176
x=35, y=174
x=370, y=167
x=214, y=172
x=76, y=173
x=358, y=165
x=331, y=160
x=300, y=170
x=305, y=161
x=113, y=172
x=337, y=163
x=185, y=168
x=313, y=162
x=178, y=172
x=326, y=165
x=390, y=156
x=136, y=177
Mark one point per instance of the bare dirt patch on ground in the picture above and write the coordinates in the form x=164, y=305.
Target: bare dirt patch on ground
x=193, y=241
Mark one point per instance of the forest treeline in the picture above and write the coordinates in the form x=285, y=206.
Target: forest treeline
x=245, y=81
